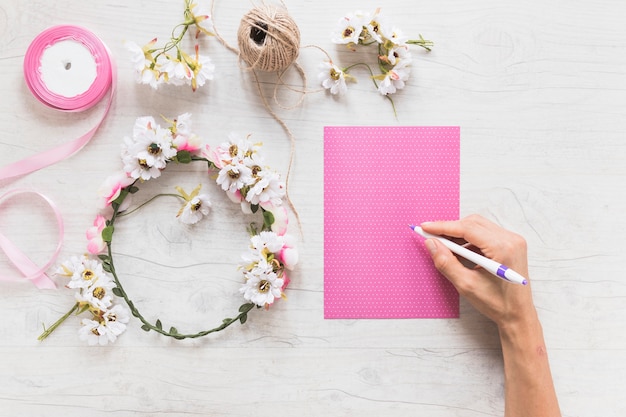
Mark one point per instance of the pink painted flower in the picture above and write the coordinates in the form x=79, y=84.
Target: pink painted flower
x=112, y=187
x=288, y=255
x=281, y=218
x=94, y=235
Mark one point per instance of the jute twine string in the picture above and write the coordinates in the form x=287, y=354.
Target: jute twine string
x=269, y=40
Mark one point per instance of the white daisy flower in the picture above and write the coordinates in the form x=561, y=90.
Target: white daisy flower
x=376, y=27
x=202, y=17
x=70, y=266
x=267, y=188
x=349, y=28
x=138, y=56
x=204, y=69
x=399, y=53
x=394, y=35
x=333, y=78
x=151, y=77
x=267, y=240
x=263, y=288
x=195, y=209
x=148, y=151
x=394, y=79
x=115, y=319
x=176, y=71
x=182, y=124
x=95, y=333
x=97, y=295
x=87, y=273
x=234, y=176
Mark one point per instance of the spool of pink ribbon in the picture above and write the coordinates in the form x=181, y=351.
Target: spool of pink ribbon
x=70, y=69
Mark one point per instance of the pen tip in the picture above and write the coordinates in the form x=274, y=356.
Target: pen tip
x=412, y=227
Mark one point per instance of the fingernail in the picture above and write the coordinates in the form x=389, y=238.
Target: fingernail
x=431, y=246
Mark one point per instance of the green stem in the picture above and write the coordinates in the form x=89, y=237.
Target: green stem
x=393, y=106
x=126, y=213
x=424, y=43
x=52, y=328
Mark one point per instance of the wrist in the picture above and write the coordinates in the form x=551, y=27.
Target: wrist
x=521, y=332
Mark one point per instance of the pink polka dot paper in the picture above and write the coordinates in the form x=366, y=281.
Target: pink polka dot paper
x=377, y=181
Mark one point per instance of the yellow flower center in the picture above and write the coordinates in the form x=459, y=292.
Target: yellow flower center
x=95, y=331
x=88, y=274
x=154, y=149
x=255, y=170
x=143, y=163
x=334, y=74
x=196, y=207
x=233, y=150
x=264, y=286
x=234, y=175
x=99, y=293
x=348, y=32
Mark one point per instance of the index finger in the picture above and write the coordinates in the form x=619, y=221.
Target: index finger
x=474, y=229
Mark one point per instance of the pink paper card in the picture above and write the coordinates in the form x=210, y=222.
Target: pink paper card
x=377, y=181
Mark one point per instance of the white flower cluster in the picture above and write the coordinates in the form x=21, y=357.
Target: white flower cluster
x=265, y=265
x=244, y=176
x=156, y=66
x=147, y=153
x=394, y=57
x=94, y=294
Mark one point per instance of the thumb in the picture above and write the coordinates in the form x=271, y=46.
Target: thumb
x=445, y=261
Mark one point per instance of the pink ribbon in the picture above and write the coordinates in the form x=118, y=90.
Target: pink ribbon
x=31, y=271
x=104, y=82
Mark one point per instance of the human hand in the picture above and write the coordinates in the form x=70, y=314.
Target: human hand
x=503, y=302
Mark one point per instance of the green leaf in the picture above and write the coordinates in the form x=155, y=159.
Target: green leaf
x=107, y=234
x=254, y=207
x=243, y=318
x=227, y=321
x=183, y=157
x=158, y=324
x=173, y=330
x=117, y=292
x=132, y=189
x=246, y=307
x=145, y=327
x=106, y=267
x=268, y=219
x=104, y=258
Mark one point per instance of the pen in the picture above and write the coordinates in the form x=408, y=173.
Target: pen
x=497, y=269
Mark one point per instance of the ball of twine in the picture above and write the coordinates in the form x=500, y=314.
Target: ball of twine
x=268, y=38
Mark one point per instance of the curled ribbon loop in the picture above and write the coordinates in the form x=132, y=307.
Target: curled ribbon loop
x=31, y=271
x=104, y=82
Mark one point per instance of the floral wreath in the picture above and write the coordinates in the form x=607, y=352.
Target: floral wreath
x=241, y=173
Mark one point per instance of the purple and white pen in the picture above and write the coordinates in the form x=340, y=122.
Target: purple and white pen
x=497, y=269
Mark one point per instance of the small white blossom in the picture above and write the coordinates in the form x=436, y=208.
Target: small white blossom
x=195, y=209
x=349, y=28
x=333, y=78
x=262, y=288
x=115, y=319
x=95, y=333
x=394, y=79
x=267, y=188
x=176, y=71
x=234, y=176
x=204, y=70
x=87, y=274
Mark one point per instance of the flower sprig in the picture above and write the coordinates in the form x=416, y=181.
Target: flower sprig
x=393, y=56
x=155, y=65
x=238, y=168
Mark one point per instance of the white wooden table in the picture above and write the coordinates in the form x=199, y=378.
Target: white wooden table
x=539, y=90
